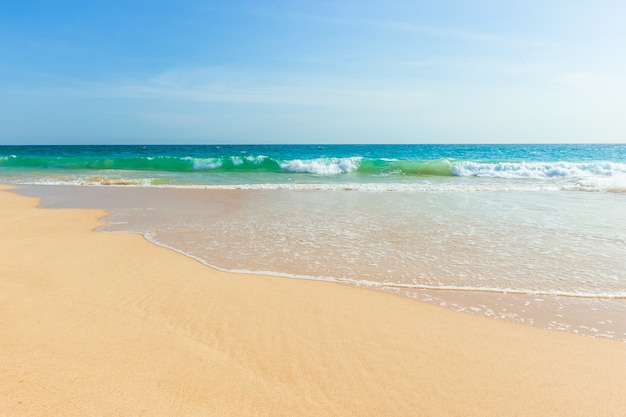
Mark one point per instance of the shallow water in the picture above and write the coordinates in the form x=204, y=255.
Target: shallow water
x=553, y=259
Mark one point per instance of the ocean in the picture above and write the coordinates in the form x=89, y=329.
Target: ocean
x=529, y=233
x=327, y=167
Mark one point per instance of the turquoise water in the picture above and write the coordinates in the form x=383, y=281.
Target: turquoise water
x=530, y=233
x=401, y=167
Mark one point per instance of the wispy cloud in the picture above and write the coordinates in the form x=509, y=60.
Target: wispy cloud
x=458, y=34
x=511, y=66
x=320, y=96
x=470, y=36
x=245, y=87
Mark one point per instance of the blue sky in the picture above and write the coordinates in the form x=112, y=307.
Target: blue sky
x=312, y=71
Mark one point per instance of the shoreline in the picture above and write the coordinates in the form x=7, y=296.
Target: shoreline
x=199, y=225
x=111, y=324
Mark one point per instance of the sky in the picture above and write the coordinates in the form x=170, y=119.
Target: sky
x=342, y=71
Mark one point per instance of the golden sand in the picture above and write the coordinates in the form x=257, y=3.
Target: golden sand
x=97, y=324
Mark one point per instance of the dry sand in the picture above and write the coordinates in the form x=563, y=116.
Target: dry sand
x=96, y=324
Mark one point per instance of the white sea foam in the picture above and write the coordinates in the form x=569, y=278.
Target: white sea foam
x=205, y=163
x=384, y=187
x=613, y=183
x=322, y=166
x=331, y=186
x=539, y=170
x=256, y=159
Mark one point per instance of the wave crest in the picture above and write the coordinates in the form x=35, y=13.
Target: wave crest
x=322, y=166
x=538, y=170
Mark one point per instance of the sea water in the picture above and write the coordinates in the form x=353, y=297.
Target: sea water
x=530, y=233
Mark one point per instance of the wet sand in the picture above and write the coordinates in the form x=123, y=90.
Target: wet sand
x=393, y=244
x=109, y=324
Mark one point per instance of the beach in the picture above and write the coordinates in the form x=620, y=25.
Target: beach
x=110, y=324
x=540, y=258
